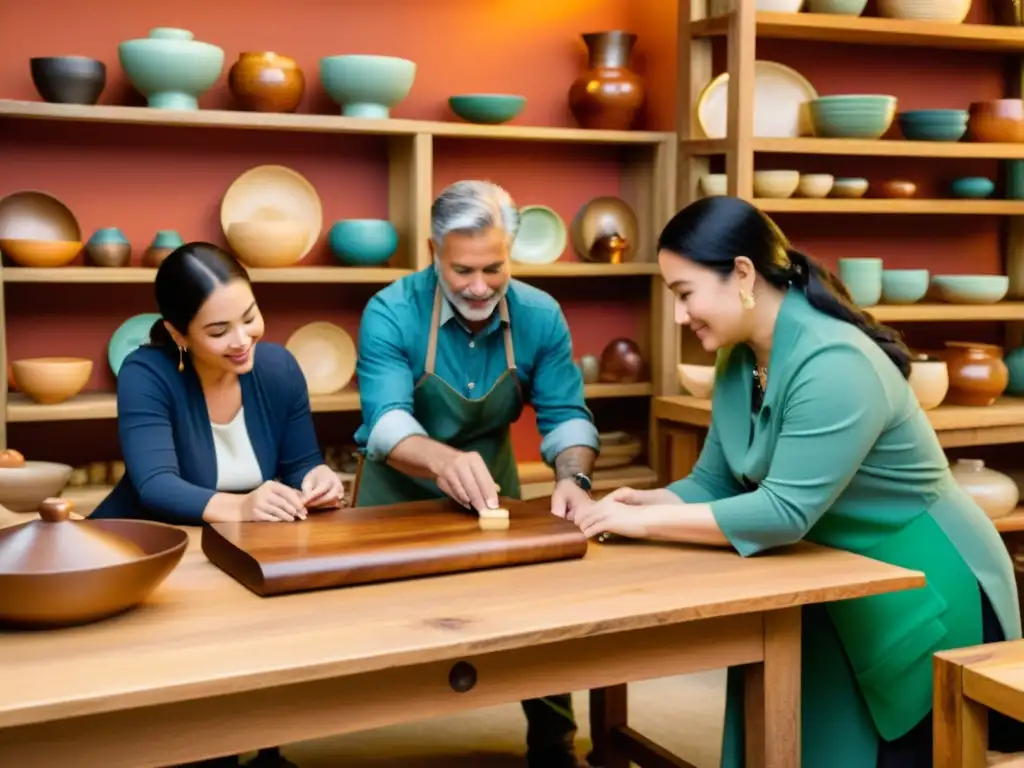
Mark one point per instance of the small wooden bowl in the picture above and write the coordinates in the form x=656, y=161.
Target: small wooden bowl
x=898, y=189
x=997, y=120
x=51, y=380
x=40, y=253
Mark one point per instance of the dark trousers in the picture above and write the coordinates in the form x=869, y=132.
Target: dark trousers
x=550, y=732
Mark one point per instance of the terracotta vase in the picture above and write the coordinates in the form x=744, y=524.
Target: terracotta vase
x=977, y=373
x=608, y=94
x=993, y=491
x=262, y=81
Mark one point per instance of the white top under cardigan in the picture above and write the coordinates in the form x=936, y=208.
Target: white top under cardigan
x=238, y=470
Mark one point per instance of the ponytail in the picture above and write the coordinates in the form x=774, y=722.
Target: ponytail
x=826, y=293
x=159, y=335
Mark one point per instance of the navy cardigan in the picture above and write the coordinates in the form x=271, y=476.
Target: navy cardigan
x=167, y=441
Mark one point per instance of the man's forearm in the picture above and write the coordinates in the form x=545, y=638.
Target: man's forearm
x=575, y=459
x=419, y=456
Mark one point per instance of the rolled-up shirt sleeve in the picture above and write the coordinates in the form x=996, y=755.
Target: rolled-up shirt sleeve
x=563, y=419
x=385, y=382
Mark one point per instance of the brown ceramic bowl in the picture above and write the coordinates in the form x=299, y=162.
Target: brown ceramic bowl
x=594, y=225
x=34, y=215
x=51, y=380
x=40, y=253
x=898, y=188
x=22, y=489
x=997, y=120
x=621, y=362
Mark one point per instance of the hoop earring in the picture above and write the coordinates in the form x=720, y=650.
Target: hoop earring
x=747, y=300
x=181, y=359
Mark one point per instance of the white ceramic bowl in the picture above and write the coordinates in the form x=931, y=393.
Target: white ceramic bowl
x=698, y=380
x=713, y=184
x=775, y=184
x=849, y=188
x=815, y=184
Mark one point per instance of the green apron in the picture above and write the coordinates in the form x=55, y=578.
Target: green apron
x=482, y=425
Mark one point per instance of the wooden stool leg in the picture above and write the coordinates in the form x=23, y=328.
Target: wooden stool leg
x=772, y=695
x=608, y=711
x=960, y=725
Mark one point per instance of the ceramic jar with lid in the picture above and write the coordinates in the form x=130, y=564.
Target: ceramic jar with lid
x=977, y=373
x=993, y=491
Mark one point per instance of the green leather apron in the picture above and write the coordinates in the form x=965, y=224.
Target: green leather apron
x=482, y=425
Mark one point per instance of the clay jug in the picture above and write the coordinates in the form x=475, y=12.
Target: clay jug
x=265, y=82
x=977, y=373
x=608, y=94
x=993, y=491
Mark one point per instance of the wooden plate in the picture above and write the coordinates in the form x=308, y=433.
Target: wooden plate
x=780, y=103
x=273, y=192
x=327, y=356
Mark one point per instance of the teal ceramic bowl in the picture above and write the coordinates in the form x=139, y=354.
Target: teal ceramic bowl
x=487, y=108
x=363, y=242
x=933, y=124
x=972, y=187
x=170, y=68
x=107, y=236
x=904, y=286
x=167, y=238
x=367, y=86
x=971, y=289
x=852, y=116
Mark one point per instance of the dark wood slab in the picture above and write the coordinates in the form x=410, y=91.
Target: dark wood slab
x=373, y=544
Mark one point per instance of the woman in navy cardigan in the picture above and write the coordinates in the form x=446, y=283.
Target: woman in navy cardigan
x=215, y=426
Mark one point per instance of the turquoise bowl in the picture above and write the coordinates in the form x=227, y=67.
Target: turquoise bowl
x=852, y=116
x=363, y=242
x=367, y=86
x=972, y=289
x=167, y=238
x=107, y=236
x=904, y=286
x=487, y=108
x=170, y=68
x=933, y=124
x=972, y=187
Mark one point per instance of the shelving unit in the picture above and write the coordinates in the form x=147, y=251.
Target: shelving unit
x=648, y=161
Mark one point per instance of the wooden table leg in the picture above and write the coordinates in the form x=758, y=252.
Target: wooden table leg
x=960, y=725
x=772, y=695
x=608, y=711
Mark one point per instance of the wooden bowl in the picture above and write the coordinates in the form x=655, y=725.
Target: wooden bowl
x=59, y=572
x=326, y=354
x=51, y=380
x=40, y=253
x=597, y=220
x=898, y=189
x=22, y=489
x=34, y=215
x=997, y=120
x=618, y=449
x=265, y=244
x=698, y=380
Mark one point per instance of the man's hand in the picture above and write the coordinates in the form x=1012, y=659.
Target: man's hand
x=568, y=499
x=464, y=476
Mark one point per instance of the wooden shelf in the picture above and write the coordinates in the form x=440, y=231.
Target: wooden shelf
x=1012, y=523
x=947, y=313
x=830, y=28
x=583, y=269
x=866, y=148
x=212, y=118
x=103, y=405
x=146, y=275
x=886, y=206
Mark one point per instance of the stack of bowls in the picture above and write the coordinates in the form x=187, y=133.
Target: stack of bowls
x=933, y=124
x=852, y=116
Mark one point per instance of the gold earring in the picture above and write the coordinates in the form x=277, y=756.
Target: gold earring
x=747, y=300
x=181, y=359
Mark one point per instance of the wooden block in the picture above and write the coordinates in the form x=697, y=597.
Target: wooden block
x=498, y=513
x=495, y=524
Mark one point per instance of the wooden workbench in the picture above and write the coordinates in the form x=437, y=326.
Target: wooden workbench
x=206, y=668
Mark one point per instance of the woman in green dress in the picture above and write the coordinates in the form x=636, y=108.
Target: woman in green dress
x=815, y=434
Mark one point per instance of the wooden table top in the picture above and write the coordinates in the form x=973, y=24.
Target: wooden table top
x=203, y=634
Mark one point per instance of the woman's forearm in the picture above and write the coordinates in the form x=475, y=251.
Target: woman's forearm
x=687, y=523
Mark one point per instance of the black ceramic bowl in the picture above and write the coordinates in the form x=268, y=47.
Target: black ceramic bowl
x=69, y=79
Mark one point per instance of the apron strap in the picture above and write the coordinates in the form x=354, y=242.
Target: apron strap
x=510, y=354
x=432, y=342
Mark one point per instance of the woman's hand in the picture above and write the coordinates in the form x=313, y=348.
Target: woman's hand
x=612, y=516
x=273, y=502
x=635, y=498
x=321, y=487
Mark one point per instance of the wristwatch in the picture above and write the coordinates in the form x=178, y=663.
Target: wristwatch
x=582, y=481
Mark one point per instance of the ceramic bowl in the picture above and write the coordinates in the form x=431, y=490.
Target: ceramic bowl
x=698, y=380
x=367, y=86
x=815, y=185
x=898, y=189
x=602, y=218
x=971, y=289
x=948, y=11
x=108, y=247
x=712, y=184
x=51, y=380
x=997, y=120
x=363, y=242
x=852, y=116
x=837, y=7
x=929, y=380
x=326, y=355
x=849, y=188
x=621, y=362
x=972, y=187
x=68, y=79
x=904, y=286
x=618, y=449
x=267, y=244
x=775, y=184
x=933, y=124
x=22, y=489
x=31, y=215
x=541, y=237
x=40, y=253
x=487, y=108
x=170, y=67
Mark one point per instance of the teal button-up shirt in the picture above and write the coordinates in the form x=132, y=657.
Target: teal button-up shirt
x=393, y=337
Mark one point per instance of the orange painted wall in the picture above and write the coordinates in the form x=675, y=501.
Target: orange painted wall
x=145, y=179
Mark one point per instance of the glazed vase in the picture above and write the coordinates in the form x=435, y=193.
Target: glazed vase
x=266, y=82
x=108, y=247
x=170, y=67
x=166, y=241
x=977, y=373
x=608, y=94
x=997, y=494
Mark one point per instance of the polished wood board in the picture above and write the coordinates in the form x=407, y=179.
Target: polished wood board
x=363, y=545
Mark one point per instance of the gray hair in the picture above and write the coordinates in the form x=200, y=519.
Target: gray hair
x=472, y=206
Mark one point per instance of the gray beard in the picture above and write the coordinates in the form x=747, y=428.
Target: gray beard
x=462, y=305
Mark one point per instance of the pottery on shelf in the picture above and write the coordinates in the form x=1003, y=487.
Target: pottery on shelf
x=51, y=380
x=269, y=242
x=977, y=373
x=997, y=120
x=32, y=215
x=170, y=67
x=607, y=94
x=487, y=108
x=898, y=188
x=367, y=86
x=263, y=81
x=23, y=488
x=929, y=380
x=621, y=362
x=165, y=241
x=997, y=494
x=698, y=380
x=363, y=242
x=590, y=367
x=68, y=79
x=605, y=229
x=108, y=247
x=1015, y=365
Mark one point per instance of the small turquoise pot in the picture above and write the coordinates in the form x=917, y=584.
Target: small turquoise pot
x=863, y=280
x=167, y=238
x=108, y=247
x=107, y=236
x=363, y=242
x=972, y=187
x=487, y=108
x=904, y=286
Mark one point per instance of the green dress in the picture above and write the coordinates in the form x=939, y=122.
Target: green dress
x=841, y=454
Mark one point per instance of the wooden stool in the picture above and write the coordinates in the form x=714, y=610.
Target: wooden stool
x=968, y=683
